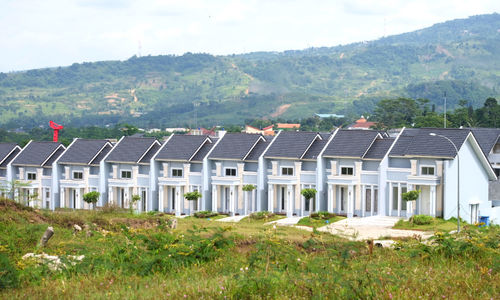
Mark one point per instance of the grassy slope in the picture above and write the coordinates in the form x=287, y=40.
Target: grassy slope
x=262, y=262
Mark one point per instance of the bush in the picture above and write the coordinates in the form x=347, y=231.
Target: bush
x=322, y=215
x=9, y=276
x=421, y=220
x=261, y=215
x=205, y=214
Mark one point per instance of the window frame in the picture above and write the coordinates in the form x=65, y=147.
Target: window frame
x=428, y=167
x=77, y=172
x=33, y=174
x=125, y=172
x=177, y=170
x=230, y=175
x=287, y=172
x=347, y=168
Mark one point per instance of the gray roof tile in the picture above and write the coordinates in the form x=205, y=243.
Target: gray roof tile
x=130, y=149
x=290, y=144
x=82, y=151
x=200, y=155
x=235, y=146
x=379, y=148
x=350, y=143
x=147, y=158
x=259, y=149
x=5, y=150
x=35, y=153
x=101, y=155
x=181, y=147
x=9, y=157
x=317, y=146
x=486, y=138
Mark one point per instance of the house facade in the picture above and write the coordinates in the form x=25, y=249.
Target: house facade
x=180, y=167
x=7, y=153
x=32, y=168
x=77, y=172
x=234, y=165
x=126, y=171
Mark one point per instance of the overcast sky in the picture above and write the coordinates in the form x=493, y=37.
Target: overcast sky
x=60, y=32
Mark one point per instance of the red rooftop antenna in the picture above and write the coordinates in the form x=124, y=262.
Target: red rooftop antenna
x=56, y=128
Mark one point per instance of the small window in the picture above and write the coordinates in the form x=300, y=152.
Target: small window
x=78, y=175
x=427, y=171
x=346, y=170
x=126, y=174
x=230, y=172
x=31, y=176
x=287, y=171
x=47, y=194
x=176, y=172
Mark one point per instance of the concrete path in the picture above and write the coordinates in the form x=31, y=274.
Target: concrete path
x=370, y=228
x=231, y=219
x=285, y=222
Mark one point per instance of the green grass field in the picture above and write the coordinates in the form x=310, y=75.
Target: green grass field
x=139, y=257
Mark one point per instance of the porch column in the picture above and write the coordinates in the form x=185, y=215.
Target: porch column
x=399, y=199
x=254, y=208
x=339, y=200
x=160, y=198
x=231, y=200
x=350, y=201
x=391, y=200
x=177, y=200
x=289, y=192
x=329, y=199
x=372, y=200
x=409, y=204
x=111, y=200
x=363, y=200
x=245, y=204
x=78, y=201
x=62, y=201
x=433, y=201
x=214, y=197
x=270, y=197
x=303, y=202
x=223, y=198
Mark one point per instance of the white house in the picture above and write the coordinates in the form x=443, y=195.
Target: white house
x=7, y=153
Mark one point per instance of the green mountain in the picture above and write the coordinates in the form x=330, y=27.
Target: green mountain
x=459, y=58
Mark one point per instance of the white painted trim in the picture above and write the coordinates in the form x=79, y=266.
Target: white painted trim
x=426, y=166
x=346, y=166
x=227, y=168
x=287, y=167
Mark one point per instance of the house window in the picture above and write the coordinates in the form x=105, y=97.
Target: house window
x=126, y=174
x=230, y=172
x=176, y=172
x=31, y=176
x=347, y=170
x=287, y=171
x=427, y=171
x=78, y=175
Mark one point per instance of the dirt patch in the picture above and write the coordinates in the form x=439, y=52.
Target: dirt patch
x=280, y=110
x=139, y=223
x=441, y=50
x=245, y=246
x=26, y=212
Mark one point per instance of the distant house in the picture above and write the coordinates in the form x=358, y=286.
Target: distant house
x=176, y=129
x=127, y=171
x=203, y=131
x=362, y=123
x=325, y=116
x=78, y=172
x=180, y=167
x=287, y=126
x=235, y=163
x=264, y=131
x=32, y=166
x=7, y=153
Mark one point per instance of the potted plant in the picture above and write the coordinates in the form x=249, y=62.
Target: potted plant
x=91, y=198
x=193, y=196
x=410, y=197
x=248, y=188
x=308, y=195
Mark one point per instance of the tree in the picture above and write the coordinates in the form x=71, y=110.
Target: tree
x=91, y=197
x=10, y=187
x=135, y=199
x=394, y=113
x=308, y=195
x=248, y=187
x=410, y=195
x=193, y=196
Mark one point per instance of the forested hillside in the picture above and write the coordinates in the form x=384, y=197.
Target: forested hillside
x=459, y=59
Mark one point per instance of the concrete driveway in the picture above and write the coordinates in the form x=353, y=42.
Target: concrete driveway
x=370, y=228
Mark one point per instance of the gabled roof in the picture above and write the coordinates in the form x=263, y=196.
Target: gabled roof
x=7, y=153
x=259, y=148
x=351, y=143
x=415, y=142
x=236, y=146
x=182, y=147
x=486, y=138
x=204, y=150
x=105, y=150
x=131, y=149
x=146, y=159
x=84, y=151
x=317, y=146
x=379, y=148
x=291, y=144
x=39, y=154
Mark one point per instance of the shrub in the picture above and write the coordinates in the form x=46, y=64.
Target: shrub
x=205, y=214
x=322, y=215
x=261, y=215
x=421, y=220
x=410, y=195
x=9, y=276
x=91, y=197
